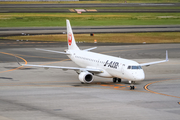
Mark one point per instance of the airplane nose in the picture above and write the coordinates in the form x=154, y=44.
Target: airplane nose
x=140, y=76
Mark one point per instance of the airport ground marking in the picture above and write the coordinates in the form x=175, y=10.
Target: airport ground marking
x=24, y=61
x=112, y=88
x=18, y=56
x=115, y=86
x=108, y=85
x=146, y=88
x=15, y=56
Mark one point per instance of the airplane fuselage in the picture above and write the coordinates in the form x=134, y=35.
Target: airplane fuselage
x=111, y=66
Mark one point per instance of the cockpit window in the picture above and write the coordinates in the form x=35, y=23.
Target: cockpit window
x=134, y=67
x=139, y=67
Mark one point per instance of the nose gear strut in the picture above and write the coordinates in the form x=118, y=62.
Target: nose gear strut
x=132, y=85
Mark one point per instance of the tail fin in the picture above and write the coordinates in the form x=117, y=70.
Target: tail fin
x=70, y=37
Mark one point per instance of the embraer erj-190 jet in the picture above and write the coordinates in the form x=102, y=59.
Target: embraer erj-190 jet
x=99, y=64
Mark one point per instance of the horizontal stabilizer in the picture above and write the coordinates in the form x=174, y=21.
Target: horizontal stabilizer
x=90, y=49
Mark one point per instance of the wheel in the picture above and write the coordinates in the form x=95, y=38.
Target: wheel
x=132, y=87
x=82, y=83
x=114, y=80
x=119, y=80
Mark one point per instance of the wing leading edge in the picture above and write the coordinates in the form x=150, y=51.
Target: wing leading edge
x=156, y=62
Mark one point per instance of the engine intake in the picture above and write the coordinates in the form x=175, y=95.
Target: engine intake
x=86, y=77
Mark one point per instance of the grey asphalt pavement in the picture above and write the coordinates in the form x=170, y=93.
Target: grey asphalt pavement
x=89, y=29
x=36, y=93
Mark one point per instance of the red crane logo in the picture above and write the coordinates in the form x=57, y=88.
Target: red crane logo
x=70, y=38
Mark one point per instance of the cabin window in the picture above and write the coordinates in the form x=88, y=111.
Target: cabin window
x=134, y=67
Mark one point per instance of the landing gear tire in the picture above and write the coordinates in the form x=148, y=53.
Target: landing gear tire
x=82, y=82
x=119, y=80
x=114, y=80
x=132, y=87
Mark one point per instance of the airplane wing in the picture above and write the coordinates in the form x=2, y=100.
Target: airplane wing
x=64, y=68
x=53, y=51
x=156, y=62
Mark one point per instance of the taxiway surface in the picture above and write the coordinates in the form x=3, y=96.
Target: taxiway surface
x=36, y=93
x=88, y=29
x=89, y=5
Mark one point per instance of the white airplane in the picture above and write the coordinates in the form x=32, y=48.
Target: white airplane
x=99, y=64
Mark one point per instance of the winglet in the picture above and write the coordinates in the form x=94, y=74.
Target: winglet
x=17, y=61
x=156, y=62
x=167, y=59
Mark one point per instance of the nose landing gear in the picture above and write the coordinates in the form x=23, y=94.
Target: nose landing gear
x=132, y=85
x=132, y=88
x=131, y=82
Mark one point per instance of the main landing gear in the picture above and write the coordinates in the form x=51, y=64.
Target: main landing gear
x=116, y=80
x=132, y=85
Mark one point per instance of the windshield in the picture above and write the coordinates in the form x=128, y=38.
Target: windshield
x=134, y=67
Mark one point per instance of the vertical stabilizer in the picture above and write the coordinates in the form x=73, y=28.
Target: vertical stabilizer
x=70, y=37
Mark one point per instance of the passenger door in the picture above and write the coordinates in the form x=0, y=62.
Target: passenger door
x=122, y=69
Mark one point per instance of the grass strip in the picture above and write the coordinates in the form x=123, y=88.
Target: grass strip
x=87, y=19
x=124, y=8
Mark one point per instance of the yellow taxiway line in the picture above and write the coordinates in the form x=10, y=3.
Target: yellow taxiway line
x=146, y=88
x=15, y=56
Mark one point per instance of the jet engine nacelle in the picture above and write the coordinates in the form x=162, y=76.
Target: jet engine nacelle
x=86, y=77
